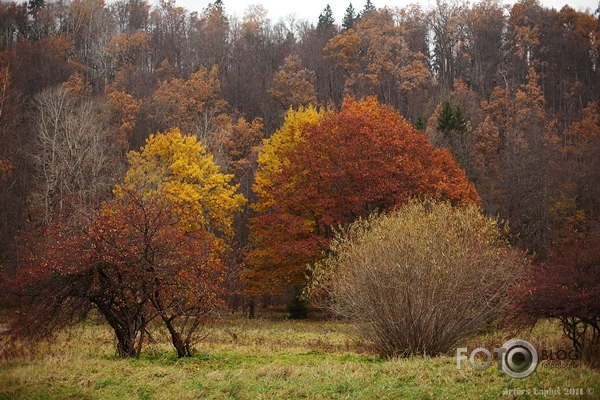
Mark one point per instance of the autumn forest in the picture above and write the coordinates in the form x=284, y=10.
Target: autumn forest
x=157, y=164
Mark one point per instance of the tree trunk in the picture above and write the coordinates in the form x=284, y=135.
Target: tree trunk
x=181, y=347
x=251, y=309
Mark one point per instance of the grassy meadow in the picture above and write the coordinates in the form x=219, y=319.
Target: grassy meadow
x=271, y=357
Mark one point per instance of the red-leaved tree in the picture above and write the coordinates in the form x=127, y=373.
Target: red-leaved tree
x=132, y=262
x=567, y=286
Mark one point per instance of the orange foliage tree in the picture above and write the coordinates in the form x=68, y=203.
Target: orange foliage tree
x=377, y=59
x=346, y=165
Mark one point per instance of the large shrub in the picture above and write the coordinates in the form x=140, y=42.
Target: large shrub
x=420, y=278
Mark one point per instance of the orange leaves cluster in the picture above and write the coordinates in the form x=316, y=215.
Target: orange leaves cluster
x=343, y=50
x=77, y=87
x=294, y=86
x=187, y=104
x=376, y=53
x=363, y=159
x=515, y=157
x=241, y=144
x=122, y=111
x=130, y=49
x=176, y=273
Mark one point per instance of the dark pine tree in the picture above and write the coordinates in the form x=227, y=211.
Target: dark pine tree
x=446, y=119
x=453, y=125
x=35, y=5
x=420, y=123
x=369, y=8
x=326, y=19
x=350, y=18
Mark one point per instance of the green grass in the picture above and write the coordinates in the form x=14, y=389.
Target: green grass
x=267, y=359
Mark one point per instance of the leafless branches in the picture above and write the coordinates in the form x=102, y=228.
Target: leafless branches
x=419, y=279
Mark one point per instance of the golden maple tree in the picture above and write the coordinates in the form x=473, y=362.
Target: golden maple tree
x=180, y=167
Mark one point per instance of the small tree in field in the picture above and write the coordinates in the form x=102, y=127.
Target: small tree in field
x=131, y=263
x=155, y=252
x=419, y=279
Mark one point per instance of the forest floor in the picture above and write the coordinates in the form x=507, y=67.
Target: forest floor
x=271, y=357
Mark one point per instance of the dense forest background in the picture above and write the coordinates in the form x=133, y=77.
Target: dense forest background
x=511, y=91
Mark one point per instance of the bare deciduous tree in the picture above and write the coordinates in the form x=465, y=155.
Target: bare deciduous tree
x=74, y=155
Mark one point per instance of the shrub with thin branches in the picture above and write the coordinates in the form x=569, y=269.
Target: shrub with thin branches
x=421, y=278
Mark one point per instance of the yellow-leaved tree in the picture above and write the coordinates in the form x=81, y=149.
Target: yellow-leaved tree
x=180, y=168
x=272, y=156
x=271, y=160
